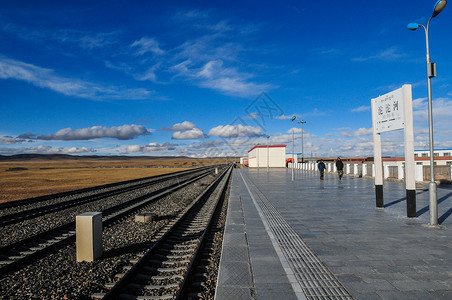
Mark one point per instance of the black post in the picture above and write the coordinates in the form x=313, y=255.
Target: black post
x=379, y=195
x=411, y=203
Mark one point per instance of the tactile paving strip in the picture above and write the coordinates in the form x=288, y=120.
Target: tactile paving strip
x=316, y=281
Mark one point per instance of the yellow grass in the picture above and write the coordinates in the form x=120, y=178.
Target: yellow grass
x=43, y=177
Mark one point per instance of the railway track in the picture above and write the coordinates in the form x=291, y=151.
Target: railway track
x=77, y=198
x=18, y=254
x=173, y=267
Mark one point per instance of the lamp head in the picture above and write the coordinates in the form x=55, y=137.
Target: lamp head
x=293, y=118
x=439, y=6
x=413, y=26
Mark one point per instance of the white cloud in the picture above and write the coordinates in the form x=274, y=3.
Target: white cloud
x=359, y=132
x=207, y=144
x=83, y=39
x=283, y=117
x=147, y=45
x=125, y=132
x=214, y=75
x=74, y=150
x=151, y=147
x=252, y=116
x=209, y=59
x=9, y=140
x=45, y=78
x=194, y=133
x=363, y=131
x=41, y=149
x=361, y=108
x=295, y=130
x=230, y=131
x=390, y=54
x=186, y=125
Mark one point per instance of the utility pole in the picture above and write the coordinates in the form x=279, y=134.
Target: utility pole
x=302, y=133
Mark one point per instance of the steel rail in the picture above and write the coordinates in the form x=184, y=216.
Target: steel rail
x=180, y=232
x=39, y=245
x=17, y=217
x=27, y=201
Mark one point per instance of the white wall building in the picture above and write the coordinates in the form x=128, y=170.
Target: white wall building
x=273, y=155
x=295, y=156
x=436, y=153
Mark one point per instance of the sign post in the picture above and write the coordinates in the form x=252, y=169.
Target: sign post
x=394, y=111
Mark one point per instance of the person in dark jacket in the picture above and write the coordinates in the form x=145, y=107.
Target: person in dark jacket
x=340, y=167
x=321, y=166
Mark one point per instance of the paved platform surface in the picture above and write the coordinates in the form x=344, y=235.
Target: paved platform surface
x=313, y=239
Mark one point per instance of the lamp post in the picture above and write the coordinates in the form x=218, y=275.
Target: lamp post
x=268, y=137
x=293, y=142
x=302, y=132
x=431, y=72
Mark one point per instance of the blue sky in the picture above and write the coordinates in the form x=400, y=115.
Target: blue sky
x=200, y=78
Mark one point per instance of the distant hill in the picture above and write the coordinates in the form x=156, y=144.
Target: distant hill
x=22, y=157
x=79, y=157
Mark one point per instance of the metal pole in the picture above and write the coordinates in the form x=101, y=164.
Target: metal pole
x=267, y=152
x=302, y=133
x=292, y=150
x=432, y=184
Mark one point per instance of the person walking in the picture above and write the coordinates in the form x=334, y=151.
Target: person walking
x=340, y=167
x=322, y=168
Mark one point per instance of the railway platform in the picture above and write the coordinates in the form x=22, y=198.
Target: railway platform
x=325, y=239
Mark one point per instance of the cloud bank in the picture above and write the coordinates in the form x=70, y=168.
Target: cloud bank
x=125, y=132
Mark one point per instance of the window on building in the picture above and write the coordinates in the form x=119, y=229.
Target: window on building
x=418, y=163
x=446, y=154
x=415, y=155
x=424, y=154
x=435, y=154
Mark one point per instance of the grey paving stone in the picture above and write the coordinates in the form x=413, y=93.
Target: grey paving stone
x=235, y=274
x=366, y=296
x=273, y=291
x=235, y=253
x=237, y=238
x=406, y=295
x=233, y=292
x=419, y=285
x=375, y=253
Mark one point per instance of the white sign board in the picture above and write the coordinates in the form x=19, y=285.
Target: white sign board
x=388, y=112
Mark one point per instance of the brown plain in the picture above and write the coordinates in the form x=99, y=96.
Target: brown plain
x=37, y=177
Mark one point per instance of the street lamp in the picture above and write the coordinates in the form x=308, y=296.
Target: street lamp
x=431, y=72
x=302, y=132
x=293, y=119
x=268, y=137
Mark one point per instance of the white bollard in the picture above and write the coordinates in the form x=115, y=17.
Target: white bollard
x=88, y=232
x=400, y=172
x=386, y=172
x=355, y=170
x=419, y=172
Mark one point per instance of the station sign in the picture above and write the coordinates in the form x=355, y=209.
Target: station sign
x=388, y=112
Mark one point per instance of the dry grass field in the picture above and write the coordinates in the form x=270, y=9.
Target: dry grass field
x=21, y=179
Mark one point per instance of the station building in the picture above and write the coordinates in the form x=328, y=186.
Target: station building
x=244, y=160
x=272, y=155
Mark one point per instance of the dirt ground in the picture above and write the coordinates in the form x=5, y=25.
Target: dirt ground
x=31, y=178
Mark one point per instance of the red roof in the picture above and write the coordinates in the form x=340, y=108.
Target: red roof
x=265, y=146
